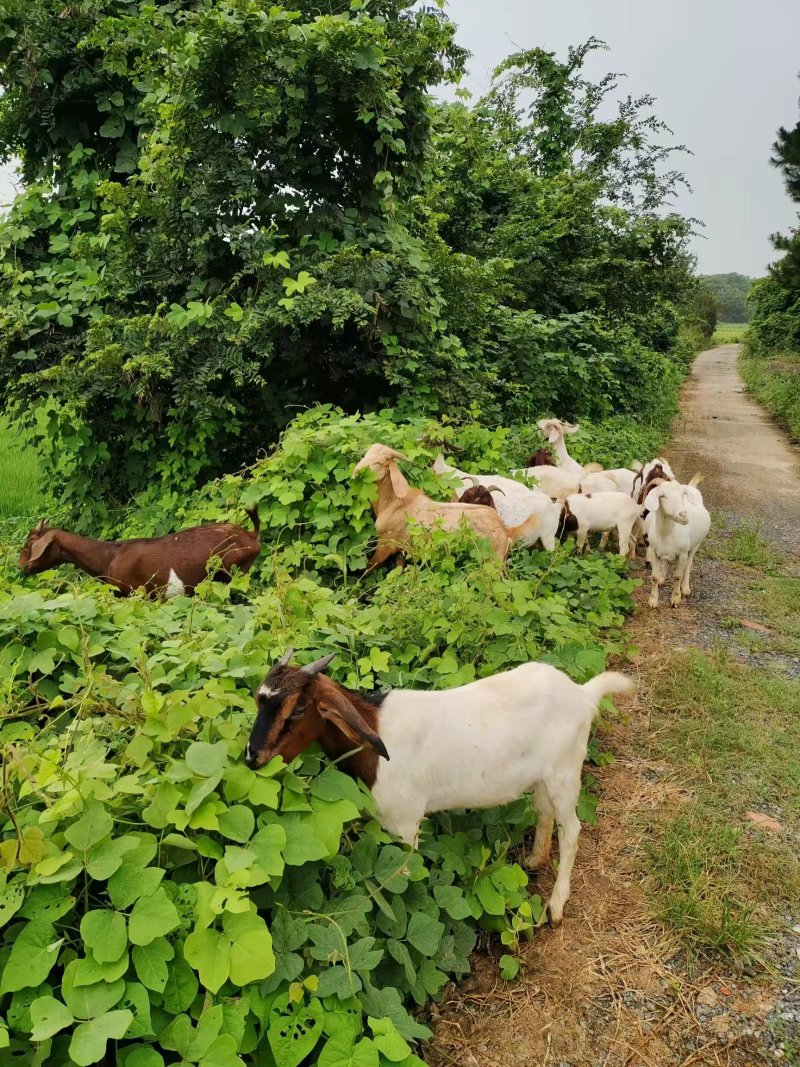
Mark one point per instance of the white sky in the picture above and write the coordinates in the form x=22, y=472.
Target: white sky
x=725, y=76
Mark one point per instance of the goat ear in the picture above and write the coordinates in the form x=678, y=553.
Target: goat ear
x=41, y=544
x=571, y=427
x=336, y=708
x=41, y=527
x=399, y=483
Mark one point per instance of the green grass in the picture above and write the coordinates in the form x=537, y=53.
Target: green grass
x=776, y=385
x=730, y=731
x=20, y=475
x=745, y=544
x=729, y=333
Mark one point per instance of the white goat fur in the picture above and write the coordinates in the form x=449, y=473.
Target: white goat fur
x=555, y=430
x=603, y=512
x=676, y=525
x=485, y=744
x=518, y=504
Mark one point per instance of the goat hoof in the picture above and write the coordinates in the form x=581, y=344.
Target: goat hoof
x=555, y=921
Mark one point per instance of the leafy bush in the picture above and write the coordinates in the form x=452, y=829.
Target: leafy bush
x=776, y=385
x=160, y=896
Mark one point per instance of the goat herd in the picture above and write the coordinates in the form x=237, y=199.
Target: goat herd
x=476, y=746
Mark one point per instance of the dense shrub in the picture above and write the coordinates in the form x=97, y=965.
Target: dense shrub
x=160, y=899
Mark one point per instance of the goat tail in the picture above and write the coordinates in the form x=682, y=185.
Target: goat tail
x=696, y=479
x=252, y=513
x=607, y=683
x=636, y=466
x=593, y=468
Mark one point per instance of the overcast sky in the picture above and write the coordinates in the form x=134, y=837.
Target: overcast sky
x=725, y=76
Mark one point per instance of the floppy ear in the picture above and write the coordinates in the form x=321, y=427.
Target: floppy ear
x=336, y=708
x=570, y=427
x=696, y=479
x=399, y=483
x=39, y=546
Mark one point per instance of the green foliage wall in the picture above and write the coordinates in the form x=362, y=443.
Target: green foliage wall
x=731, y=292
x=194, y=261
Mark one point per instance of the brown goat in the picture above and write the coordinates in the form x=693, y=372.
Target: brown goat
x=172, y=564
x=542, y=458
x=479, y=494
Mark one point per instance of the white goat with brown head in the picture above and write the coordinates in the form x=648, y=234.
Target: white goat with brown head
x=476, y=746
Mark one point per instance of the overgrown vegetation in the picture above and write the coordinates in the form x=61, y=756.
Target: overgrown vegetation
x=244, y=221
x=20, y=474
x=729, y=728
x=235, y=211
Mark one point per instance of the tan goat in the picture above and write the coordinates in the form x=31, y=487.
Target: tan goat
x=397, y=504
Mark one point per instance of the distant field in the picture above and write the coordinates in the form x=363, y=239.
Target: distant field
x=20, y=474
x=729, y=333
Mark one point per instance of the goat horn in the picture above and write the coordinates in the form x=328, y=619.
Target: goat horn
x=495, y=489
x=473, y=479
x=318, y=664
x=285, y=657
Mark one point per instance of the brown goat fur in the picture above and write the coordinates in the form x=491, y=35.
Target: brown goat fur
x=542, y=458
x=176, y=562
x=297, y=706
x=397, y=504
x=478, y=494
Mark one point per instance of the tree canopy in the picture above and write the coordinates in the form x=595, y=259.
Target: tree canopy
x=236, y=210
x=730, y=291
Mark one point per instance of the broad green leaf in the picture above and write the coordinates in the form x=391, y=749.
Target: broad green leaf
x=150, y=963
x=206, y=760
x=294, y=1029
x=131, y=882
x=237, y=823
x=143, y=1056
x=452, y=900
x=88, y=1001
x=88, y=970
x=424, y=933
x=137, y=1000
x=509, y=967
x=165, y=800
x=251, y=956
x=492, y=900
x=105, y=933
x=181, y=987
x=152, y=917
x=107, y=857
x=388, y=1041
x=48, y=1016
x=32, y=957
x=88, y=1044
x=209, y=952
x=93, y=826
x=11, y=900
x=340, y=1052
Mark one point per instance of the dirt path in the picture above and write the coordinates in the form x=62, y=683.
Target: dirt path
x=751, y=467
x=612, y=988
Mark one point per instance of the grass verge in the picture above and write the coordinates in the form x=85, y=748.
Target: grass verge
x=20, y=473
x=776, y=385
x=730, y=731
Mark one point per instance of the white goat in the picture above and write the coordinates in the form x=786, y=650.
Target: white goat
x=676, y=524
x=475, y=746
x=555, y=430
x=603, y=512
x=517, y=504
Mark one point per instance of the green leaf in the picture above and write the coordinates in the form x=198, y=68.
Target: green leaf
x=251, y=956
x=143, y=1056
x=137, y=1000
x=341, y=1052
x=108, y=856
x=11, y=900
x=293, y=1029
x=88, y=1044
x=48, y=1016
x=452, y=900
x=165, y=800
x=205, y=759
x=388, y=1041
x=492, y=900
x=209, y=952
x=509, y=967
x=150, y=963
x=131, y=882
x=106, y=934
x=88, y=1001
x=152, y=917
x=32, y=957
x=181, y=987
x=424, y=933
x=93, y=826
x=237, y=823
